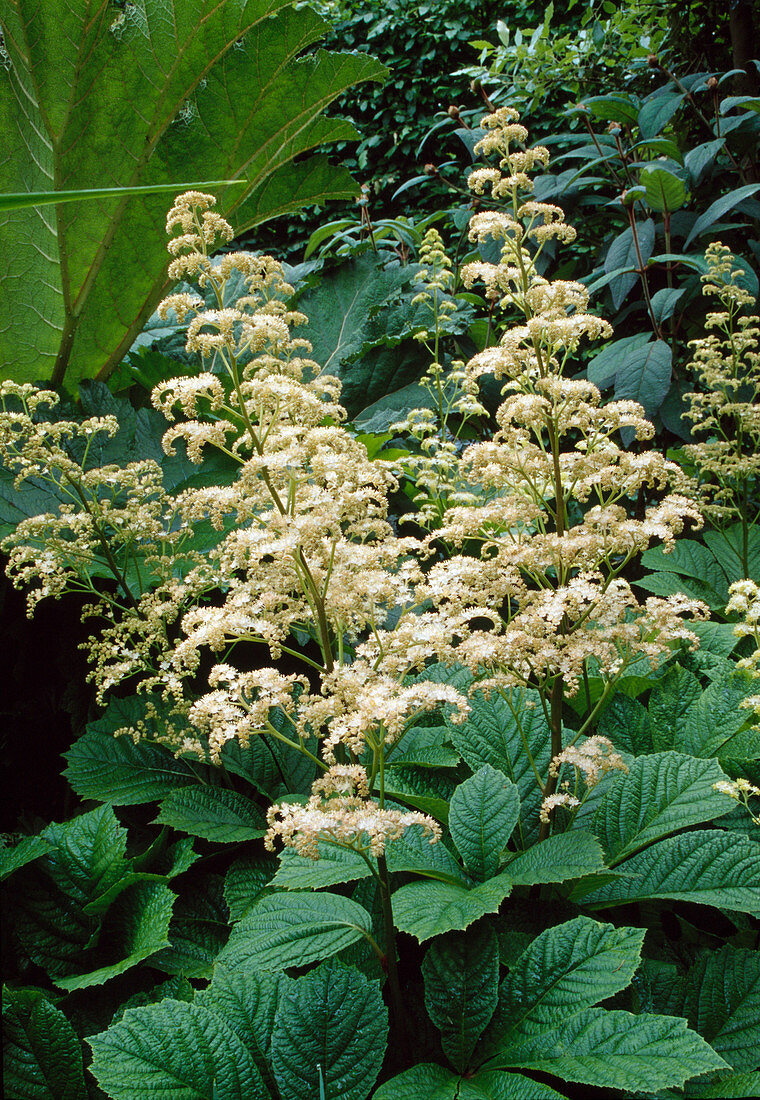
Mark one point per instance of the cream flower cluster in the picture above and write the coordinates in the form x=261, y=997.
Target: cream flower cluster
x=341, y=812
x=726, y=409
x=518, y=578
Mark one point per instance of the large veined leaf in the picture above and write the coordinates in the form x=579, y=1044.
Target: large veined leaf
x=244, y=882
x=716, y=724
x=247, y=1002
x=702, y=569
x=26, y=851
x=137, y=927
x=483, y=812
x=42, y=1057
x=122, y=772
x=565, y=969
x=437, y=1083
x=491, y=735
x=711, y=867
x=293, y=929
x=726, y=1086
x=423, y=789
x=198, y=931
x=622, y=259
x=669, y=702
x=412, y=851
x=560, y=857
x=214, y=813
x=174, y=1051
x=720, y=207
x=613, y=1050
x=546, y=1020
x=85, y=913
x=664, y=189
x=178, y=988
x=269, y=765
x=88, y=857
x=359, y=315
x=335, y=864
x=461, y=972
x=329, y=1036
x=625, y=722
x=425, y=909
x=721, y=1000
x=657, y=112
x=660, y=794
x=92, y=99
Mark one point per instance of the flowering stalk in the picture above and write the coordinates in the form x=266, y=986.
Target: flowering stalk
x=305, y=543
x=727, y=409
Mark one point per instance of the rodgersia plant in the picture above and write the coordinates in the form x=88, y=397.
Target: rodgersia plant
x=511, y=602
x=726, y=411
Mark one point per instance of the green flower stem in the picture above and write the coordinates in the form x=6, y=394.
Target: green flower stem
x=271, y=729
x=398, y=1014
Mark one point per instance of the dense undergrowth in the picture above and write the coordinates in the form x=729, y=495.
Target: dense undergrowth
x=404, y=603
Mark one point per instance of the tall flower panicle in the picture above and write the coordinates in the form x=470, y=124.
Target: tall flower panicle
x=518, y=573
x=726, y=409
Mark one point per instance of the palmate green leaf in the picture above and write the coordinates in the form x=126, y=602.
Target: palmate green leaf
x=359, y=316
x=88, y=856
x=42, y=1056
x=214, y=813
x=412, y=851
x=564, y=970
x=560, y=857
x=330, y=1032
x=436, y=1083
x=613, y=1050
x=425, y=909
x=546, y=1020
x=690, y=568
x=461, y=972
x=99, y=110
x=247, y=1002
x=26, y=851
x=710, y=867
x=483, y=813
x=491, y=735
x=294, y=929
x=268, y=765
x=659, y=795
x=174, y=1051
